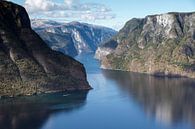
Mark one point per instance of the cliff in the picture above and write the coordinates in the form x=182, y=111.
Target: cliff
x=72, y=38
x=163, y=45
x=27, y=65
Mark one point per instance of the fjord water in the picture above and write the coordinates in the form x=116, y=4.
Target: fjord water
x=119, y=100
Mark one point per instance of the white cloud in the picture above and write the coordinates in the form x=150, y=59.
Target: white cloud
x=41, y=5
x=71, y=3
x=73, y=9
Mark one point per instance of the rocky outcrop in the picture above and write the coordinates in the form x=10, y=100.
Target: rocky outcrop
x=163, y=45
x=72, y=38
x=27, y=64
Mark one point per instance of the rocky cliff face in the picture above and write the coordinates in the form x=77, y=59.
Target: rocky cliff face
x=27, y=64
x=72, y=38
x=158, y=44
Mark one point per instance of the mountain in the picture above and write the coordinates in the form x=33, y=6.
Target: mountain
x=27, y=65
x=162, y=45
x=72, y=38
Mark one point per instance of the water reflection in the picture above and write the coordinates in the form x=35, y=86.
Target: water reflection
x=170, y=101
x=33, y=112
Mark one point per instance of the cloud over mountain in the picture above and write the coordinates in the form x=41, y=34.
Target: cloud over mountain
x=74, y=9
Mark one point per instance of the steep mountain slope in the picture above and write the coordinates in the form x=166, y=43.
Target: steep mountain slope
x=159, y=44
x=27, y=64
x=72, y=38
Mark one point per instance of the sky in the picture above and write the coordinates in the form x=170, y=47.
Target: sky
x=110, y=13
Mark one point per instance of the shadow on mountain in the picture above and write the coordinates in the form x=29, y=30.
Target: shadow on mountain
x=168, y=100
x=33, y=112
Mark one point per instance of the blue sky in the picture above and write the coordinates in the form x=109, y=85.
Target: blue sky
x=111, y=13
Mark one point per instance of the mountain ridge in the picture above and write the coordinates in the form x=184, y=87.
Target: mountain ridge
x=72, y=38
x=162, y=45
x=27, y=65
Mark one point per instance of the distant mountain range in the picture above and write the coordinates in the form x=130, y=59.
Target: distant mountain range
x=72, y=38
x=163, y=45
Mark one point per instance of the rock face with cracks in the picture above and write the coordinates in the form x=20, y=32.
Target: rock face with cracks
x=27, y=65
x=162, y=45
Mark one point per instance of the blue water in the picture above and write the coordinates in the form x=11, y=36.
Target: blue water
x=119, y=100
